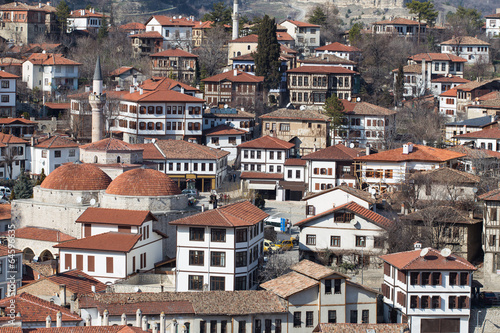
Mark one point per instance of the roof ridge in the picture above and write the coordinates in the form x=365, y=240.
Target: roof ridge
x=44, y=304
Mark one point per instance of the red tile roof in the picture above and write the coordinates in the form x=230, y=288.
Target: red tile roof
x=240, y=214
x=35, y=310
x=115, y=216
x=399, y=21
x=111, y=145
x=338, y=47
x=253, y=38
x=353, y=207
x=364, y=108
x=75, y=281
x=161, y=96
x=350, y=190
x=283, y=36
x=164, y=83
x=6, y=75
x=143, y=182
x=5, y=212
x=487, y=133
x=149, y=34
x=150, y=152
x=293, y=114
x=58, y=106
x=493, y=195
x=267, y=142
x=224, y=130
x=41, y=234
x=174, y=53
x=436, y=56
x=51, y=59
x=411, y=260
x=132, y=26
x=260, y=175
x=77, y=177
x=120, y=71
x=86, y=13
x=57, y=142
x=338, y=152
x=419, y=153
x=295, y=162
x=302, y=24
x=239, y=77
x=450, y=93
x=7, y=138
x=179, y=149
x=495, y=15
x=8, y=121
x=4, y=250
x=171, y=22
x=81, y=329
x=314, y=270
x=465, y=40
x=450, y=78
x=322, y=70
x=289, y=284
x=109, y=241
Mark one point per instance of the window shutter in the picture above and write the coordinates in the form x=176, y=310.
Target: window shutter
x=79, y=262
x=67, y=261
x=419, y=278
x=329, y=171
x=418, y=302
x=316, y=187
x=466, y=302
x=91, y=263
x=440, y=281
x=87, y=230
x=468, y=277
x=133, y=264
x=109, y=264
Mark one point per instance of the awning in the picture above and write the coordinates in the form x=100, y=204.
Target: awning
x=262, y=185
x=293, y=186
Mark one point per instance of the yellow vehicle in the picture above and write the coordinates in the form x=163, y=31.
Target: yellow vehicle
x=269, y=246
x=285, y=245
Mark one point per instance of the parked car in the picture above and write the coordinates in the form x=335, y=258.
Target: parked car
x=488, y=298
x=285, y=245
x=191, y=193
x=269, y=246
x=5, y=192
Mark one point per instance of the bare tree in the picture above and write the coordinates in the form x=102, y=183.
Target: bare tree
x=417, y=121
x=9, y=157
x=277, y=265
x=212, y=54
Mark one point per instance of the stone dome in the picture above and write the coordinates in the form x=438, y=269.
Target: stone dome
x=143, y=182
x=77, y=177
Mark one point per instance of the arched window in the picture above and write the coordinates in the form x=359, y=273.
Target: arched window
x=142, y=125
x=95, y=159
x=118, y=159
x=142, y=110
x=159, y=126
x=151, y=126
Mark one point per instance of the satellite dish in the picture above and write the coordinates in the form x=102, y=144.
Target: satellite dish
x=351, y=145
x=358, y=99
x=474, y=189
x=424, y=252
x=79, y=199
x=446, y=252
x=357, y=225
x=92, y=201
x=302, y=107
x=372, y=190
x=226, y=106
x=349, y=98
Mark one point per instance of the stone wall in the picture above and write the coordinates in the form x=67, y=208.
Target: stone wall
x=484, y=320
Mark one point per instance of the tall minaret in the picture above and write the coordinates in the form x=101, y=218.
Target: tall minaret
x=97, y=100
x=236, y=20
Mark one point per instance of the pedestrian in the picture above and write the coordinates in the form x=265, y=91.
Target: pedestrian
x=228, y=198
x=234, y=177
x=225, y=199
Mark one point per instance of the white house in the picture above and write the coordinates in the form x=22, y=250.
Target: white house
x=176, y=31
x=8, y=92
x=115, y=244
x=428, y=289
x=49, y=153
x=306, y=35
x=11, y=270
x=264, y=154
x=467, y=126
x=236, y=118
x=50, y=72
x=220, y=249
x=226, y=138
x=294, y=179
x=487, y=138
x=348, y=230
x=14, y=155
x=85, y=19
x=491, y=234
x=439, y=63
x=493, y=24
x=448, y=103
x=470, y=48
x=340, y=50
x=444, y=83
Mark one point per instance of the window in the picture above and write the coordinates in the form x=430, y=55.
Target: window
x=335, y=241
x=414, y=302
x=196, y=234
x=57, y=153
x=365, y=316
x=414, y=278
x=241, y=235
x=453, y=278
x=492, y=240
x=218, y=235
x=240, y=283
x=337, y=286
x=436, y=278
x=271, y=155
x=196, y=258
x=463, y=302
x=378, y=242
x=296, y=319
x=90, y=264
x=223, y=326
x=79, y=262
x=213, y=326
x=361, y=241
x=354, y=317
x=258, y=326
x=426, y=278
x=310, y=239
x=285, y=127
x=203, y=326
x=464, y=279
x=242, y=326
x=277, y=326
x=297, y=173
x=424, y=302
x=436, y=302
x=109, y=265
x=5, y=84
x=309, y=318
x=218, y=259
x=195, y=282
x=217, y=283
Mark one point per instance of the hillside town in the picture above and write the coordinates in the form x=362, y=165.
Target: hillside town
x=335, y=182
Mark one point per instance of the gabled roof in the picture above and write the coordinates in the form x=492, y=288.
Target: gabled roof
x=436, y=56
x=172, y=22
x=75, y=281
x=179, y=149
x=353, y=207
x=110, y=145
x=399, y=21
x=493, y=195
x=174, y=53
x=121, y=70
x=239, y=77
x=411, y=260
x=150, y=152
x=295, y=162
x=15, y=6
x=445, y=175
x=86, y=13
x=314, y=270
x=465, y=40
x=35, y=310
x=267, y=142
x=326, y=59
x=302, y=24
x=109, y=241
x=240, y=214
x=450, y=79
x=473, y=122
x=9, y=121
x=450, y=93
x=5, y=212
x=253, y=38
x=419, y=153
x=149, y=34
x=441, y=214
x=350, y=190
x=224, y=129
x=410, y=69
x=337, y=47
x=365, y=108
x=161, y=96
x=339, y=152
x=115, y=216
x=289, y=284
x=164, y=83
x=81, y=329
x=51, y=59
x=487, y=133
x=132, y=26
x=474, y=153
x=41, y=234
x=293, y=114
x=11, y=139
x=322, y=70
x=56, y=142
x=6, y=75
x=492, y=16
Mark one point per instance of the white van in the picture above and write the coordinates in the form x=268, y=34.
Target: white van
x=5, y=192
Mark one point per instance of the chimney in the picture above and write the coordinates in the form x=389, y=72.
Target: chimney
x=105, y=318
x=367, y=150
x=182, y=90
x=62, y=294
x=132, y=89
x=155, y=328
x=59, y=319
x=417, y=246
x=39, y=5
x=141, y=91
x=235, y=72
x=124, y=319
x=88, y=320
x=498, y=11
x=162, y=321
x=173, y=327
x=92, y=288
x=48, y=322
x=407, y=148
x=144, y=323
x=138, y=318
x=87, y=88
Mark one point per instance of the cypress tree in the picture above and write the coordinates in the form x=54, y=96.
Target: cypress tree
x=23, y=188
x=267, y=63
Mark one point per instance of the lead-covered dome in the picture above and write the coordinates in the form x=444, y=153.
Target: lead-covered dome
x=143, y=182
x=77, y=177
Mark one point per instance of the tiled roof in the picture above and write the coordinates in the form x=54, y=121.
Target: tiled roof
x=253, y=38
x=411, y=260
x=450, y=78
x=75, y=281
x=353, y=207
x=441, y=214
x=77, y=177
x=495, y=15
x=6, y=75
x=350, y=190
x=436, y=56
x=445, y=174
x=224, y=130
x=338, y=47
x=51, y=59
x=493, y=195
x=35, y=310
x=302, y=24
x=173, y=22
x=56, y=142
x=5, y=210
x=9, y=61
x=289, y=284
x=82, y=329
x=174, y=53
x=267, y=142
x=120, y=71
x=175, y=307
x=260, y=175
x=86, y=13
x=164, y=83
x=364, y=108
x=149, y=34
x=286, y=49
x=229, y=303
x=58, y=106
x=322, y=70
x=399, y=21
x=450, y=93
x=161, y=96
x=8, y=121
x=470, y=86
x=143, y=182
x=150, y=152
x=361, y=328
x=325, y=59
x=314, y=270
x=295, y=162
x=109, y=241
x=419, y=153
x=45, y=268
x=338, y=152
x=111, y=145
x=410, y=69
x=115, y=216
x=7, y=138
x=487, y=133
x=4, y=250
x=293, y=114
x=494, y=95
x=179, y=150
x=41, y=234
x=239, y=114
x=474, y=153
x=132, y=26
x=15, y=6
x=239, y=214
x=239, y=77
x=283, y=36
x=244, y=57
x=465, y=40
